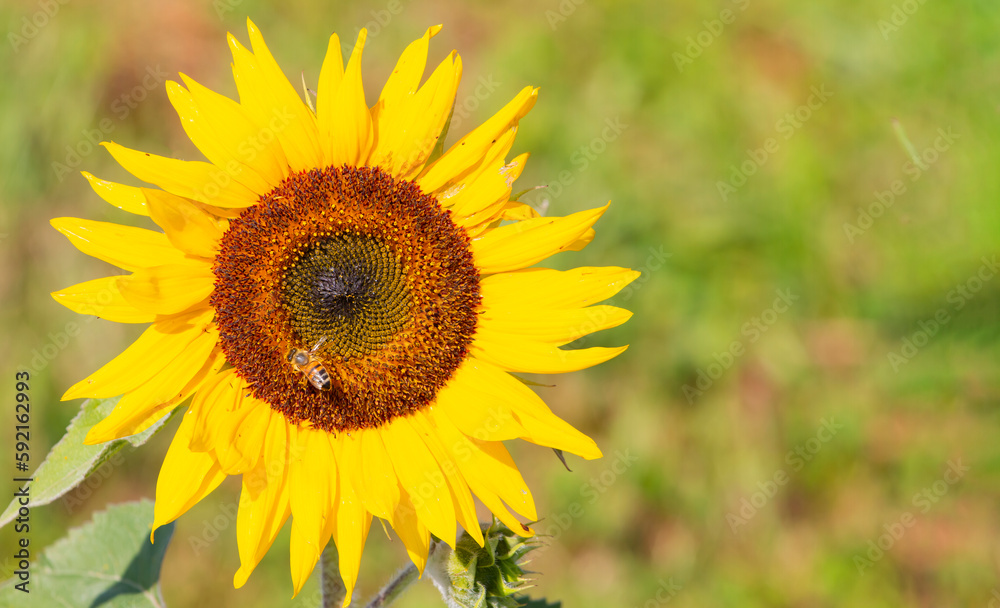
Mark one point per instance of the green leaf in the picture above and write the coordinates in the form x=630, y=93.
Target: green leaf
x=107, y=563
x=70, y=461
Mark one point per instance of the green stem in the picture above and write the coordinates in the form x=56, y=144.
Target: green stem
x=437, y=571
x=330, y=581
x=402, y=580
x=394, y=588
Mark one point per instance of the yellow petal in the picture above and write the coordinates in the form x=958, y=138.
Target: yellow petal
x=203, y=133
x=215, y=362
x=367, y=465
x=169, y=289
x=543, y=288
x=220, y=212
x=347, y=450
x=474, y=408
x=524, y=243
x=242, y=436
x=124, y=246
x=381, y=489
x=185, y=477
x=203, y=408
x=163, y=342
x=218, y=406
x=266, y=96
x=505, y=479
x=465, y=508
x=487, y=198
x=491, y=165
x=421, y=476
x=516, y=211
x=305, y=549
x=518, y=354
x=139, y=409
x=489, y=471
x=582, y=241
x=405, y=78
x=342, y=113
x=557, y=327
x=409, y=121
x=312, y=481
x=256, y=146
x=188, y=226
x=486, y=189
x=102, y=298
x=196, y=180
x=497, y=507
x=264, y=503
x=350, y=533
x=551, y=431
x=469, y=151
x=126, y=198
x=542, y=426
x=331, y=74
x=414, y=534
x=259, y=101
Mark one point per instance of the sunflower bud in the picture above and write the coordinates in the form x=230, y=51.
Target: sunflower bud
x=489, y=575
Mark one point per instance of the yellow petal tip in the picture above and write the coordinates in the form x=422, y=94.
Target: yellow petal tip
x=72, y=393
x=234, y=44
x=240, y=578
x=94, y=438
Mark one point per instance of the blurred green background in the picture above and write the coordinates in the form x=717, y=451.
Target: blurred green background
x=811, y=352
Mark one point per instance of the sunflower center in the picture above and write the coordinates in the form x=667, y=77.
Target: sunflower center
x=349, y=273
x=348, y=291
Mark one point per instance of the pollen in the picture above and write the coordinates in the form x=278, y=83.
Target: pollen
x=365, y=271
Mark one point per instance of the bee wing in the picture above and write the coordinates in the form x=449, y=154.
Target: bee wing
x=317, y=345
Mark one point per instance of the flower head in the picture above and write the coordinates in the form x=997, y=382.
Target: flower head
x=343, y=302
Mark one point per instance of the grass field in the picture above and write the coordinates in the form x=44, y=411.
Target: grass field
x=807, y=414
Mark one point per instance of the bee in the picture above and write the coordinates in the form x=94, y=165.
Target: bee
x=305, y=362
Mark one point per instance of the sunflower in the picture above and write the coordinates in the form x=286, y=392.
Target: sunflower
x=344, y=301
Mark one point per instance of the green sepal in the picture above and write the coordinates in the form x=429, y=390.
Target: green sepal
x=491, y=575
